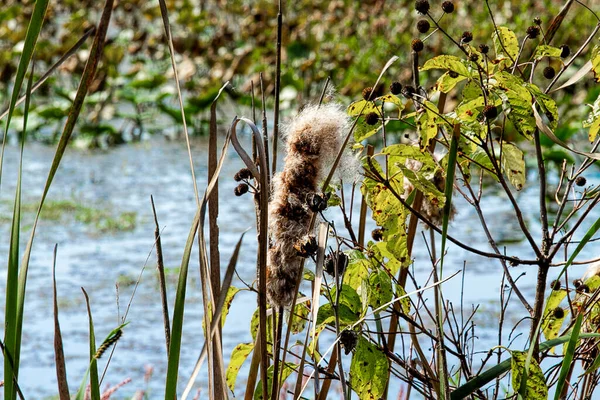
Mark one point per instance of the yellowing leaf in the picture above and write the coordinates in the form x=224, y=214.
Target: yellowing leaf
x=596, y=62
x=506, y=46
x=230, y=294
x=427, y=123
x=536, y=383
x=450, y=63
x=238, y=356
x=446, y=82
x=551, y=325
x=546, y=51
x=363, y=107
x=380, y=289
x=513, y=165
x=368, y=371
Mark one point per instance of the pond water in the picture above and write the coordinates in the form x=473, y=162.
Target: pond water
x=93, y=203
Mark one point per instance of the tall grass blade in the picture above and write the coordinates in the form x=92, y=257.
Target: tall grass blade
x=160, y=266
x=33, y=32
x=94, y=381
x=59, y=355
x=568, y=358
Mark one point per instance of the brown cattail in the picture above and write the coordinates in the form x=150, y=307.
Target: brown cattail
x=313, y=140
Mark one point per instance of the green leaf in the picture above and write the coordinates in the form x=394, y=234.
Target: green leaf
x=381, y=255
x=286, y=371
x=301, y=316
x=596, y=62
x=593, y=120
x=547, y=104
x=568, y=358
x=513, y=165
x=380, y=289
x=363, y=107
x=546, y=51
x=345, y=314
x=446, y=83
x=368, y=370
x=238, y=356
x=392, y=99
x=363, y=131
x=348, y=297
x=536, y=383
x=427, y=123
x=357, y=270
x=594, y=129
x=517, y=103
x=405, y=301
x=506, y=46
x=450, y=63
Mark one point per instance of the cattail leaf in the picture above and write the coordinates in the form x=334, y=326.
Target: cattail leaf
x=506, y=46
x=238, y=356
x=568, y=358
x=536, y=387
x=368, y=370
x=513, y=165
x=546, y=51
x=596, y=62
x=286, y=371
x=450, y=63
x=380, y=289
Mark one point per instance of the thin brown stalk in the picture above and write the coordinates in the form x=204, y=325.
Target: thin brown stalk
x=160, y=266
x=363, y=208
x=277, y=88
x=59, y=355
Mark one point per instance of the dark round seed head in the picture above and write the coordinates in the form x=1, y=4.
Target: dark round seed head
x=537, y=20
x=367, y=92
x=466, y=37
x=549, y=72
x=408, y=91
x=377, y=234
x=371, y=118
x=348, y=339
x=577, y=283
x=317, y=202
x=555, y=285
x=580, y=181
x=533, y=31
x=453, y=74
x=307, y=246
x=490, y=112
x=484, y=48
x=422, y=6
x=423, y=26
x=396, y=87
x=241, y=189
x=583, y=288
x=242, y=174
x=448, y=7
x=417, y=45
x=565, y=51
x=330, y=260
x=558, y=313
x=473, y=57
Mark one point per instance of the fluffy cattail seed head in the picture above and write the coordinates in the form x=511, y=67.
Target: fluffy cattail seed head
x=241, y=189
x=422, y=6
x=417, y=45
x=242, y=174
x=466, y=37
x=371, y=118
x=580, y=181
x=448, y=7
x=396, y=87
x=549, y=72
x=533, y=31
x=423, y=26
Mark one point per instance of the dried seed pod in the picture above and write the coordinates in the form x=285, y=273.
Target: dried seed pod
x=348, y=339
x=580, y=181
x=408, y=91
x=317, y=202
x=417, y=45
x=484, y=48
x=371, y=118
x=537, y=21
x=558, y=313
x=490, y=112
x=307, y=247
x=448, y=7
x=466, y=37
x=422, y=6
x=583, y=288
x=377, y=234
x=242, y=174
x=423, y=26
x=241, y=189
x=577, y=283
x=330, y=262
x=533, y=31
x=549, y=72
x=396, y=87
x=367, y=93
x=555, y=285
x=565, y=51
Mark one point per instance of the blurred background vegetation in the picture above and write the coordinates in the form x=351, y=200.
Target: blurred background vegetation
x=218, y=40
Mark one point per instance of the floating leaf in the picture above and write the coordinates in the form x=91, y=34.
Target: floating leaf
x=536, y=383
x=368, y=371
x=513, y=165
x=238, y=356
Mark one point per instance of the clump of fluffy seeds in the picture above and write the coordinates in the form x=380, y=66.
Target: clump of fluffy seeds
x=313, y=140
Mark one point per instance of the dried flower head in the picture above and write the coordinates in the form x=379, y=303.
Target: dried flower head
x=549, y=72
x=533, y=31
x=317, y=202
x=307, y=246
x=537, y=21
x=580, y=181
x=395, y=87
x=423, y=26
x=555, y=285
x=558, y=313
x=417, y=45
x=422, y=6
x=348, y=339
x=408, y=91
x=583, y=288
x=484, y=48
x=377, y=234
x=466, y=37
x=338, y=257
x=448, y=7
x=242, y=174
x=367, y=93
x=371, y=118
x=565, y=51
x=241, y=189
x=577, y=283
x=490, y=112
x=314, y=138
